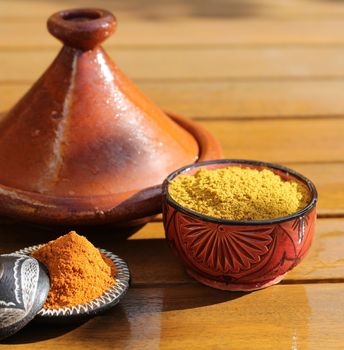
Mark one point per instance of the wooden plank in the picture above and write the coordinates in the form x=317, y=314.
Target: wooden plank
x=195, y=64
x=249, y=99
x=235, y=99
x=329, y=181
x=176, y=9
x=281, y=141
x=280, y=317
x=153, y=10
x=189, y=31
x=152, y=263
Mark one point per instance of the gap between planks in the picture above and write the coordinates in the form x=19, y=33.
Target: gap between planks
x=187, y=284
x=247, y=79
x=182, y=47
x=267, y=117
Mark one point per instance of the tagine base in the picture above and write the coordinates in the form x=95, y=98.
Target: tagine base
x=233, y=287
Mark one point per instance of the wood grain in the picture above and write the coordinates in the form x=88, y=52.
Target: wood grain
x=252, y=99
x=234, y=99
x=189, y=317
x=281, y=141
x=22, y=31
x=35, y=9
x=195, y=64
x=329, y=181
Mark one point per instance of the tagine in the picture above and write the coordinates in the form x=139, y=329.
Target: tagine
x=84, y=145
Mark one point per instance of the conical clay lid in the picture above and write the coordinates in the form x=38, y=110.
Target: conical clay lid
x=84, y=145
x=84, y=129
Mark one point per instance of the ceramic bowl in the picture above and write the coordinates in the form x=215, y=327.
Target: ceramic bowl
x=238, y=255
x=83, y=311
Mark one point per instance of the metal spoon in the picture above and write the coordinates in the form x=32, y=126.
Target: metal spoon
x=24, y=286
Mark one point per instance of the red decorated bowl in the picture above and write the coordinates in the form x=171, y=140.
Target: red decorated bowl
x=238, y=255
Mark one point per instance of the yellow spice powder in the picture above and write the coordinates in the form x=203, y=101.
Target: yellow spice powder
x=236, y=193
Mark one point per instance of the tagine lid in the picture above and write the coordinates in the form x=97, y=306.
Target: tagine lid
x=84, y=136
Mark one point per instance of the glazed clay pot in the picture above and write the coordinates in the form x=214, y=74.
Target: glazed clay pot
x=238, y=255
x=85, y=145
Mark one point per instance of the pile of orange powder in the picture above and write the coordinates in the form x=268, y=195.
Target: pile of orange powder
x=78, y=272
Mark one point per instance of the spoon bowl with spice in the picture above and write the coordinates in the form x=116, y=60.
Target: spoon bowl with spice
x=239, y=225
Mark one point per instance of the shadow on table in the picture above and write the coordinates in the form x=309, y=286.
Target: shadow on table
x=187, y=296
x=37, y=331
x=196, y=296
x=16, y=235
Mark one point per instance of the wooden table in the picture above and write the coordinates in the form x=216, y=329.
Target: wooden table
x=267, y=78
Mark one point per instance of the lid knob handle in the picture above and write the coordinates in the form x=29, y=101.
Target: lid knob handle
x=82, y=28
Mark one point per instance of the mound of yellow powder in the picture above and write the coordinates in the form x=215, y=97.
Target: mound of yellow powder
x=236, y=193
x=78, y=272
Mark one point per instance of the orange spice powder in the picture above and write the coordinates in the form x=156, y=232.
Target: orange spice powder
x=78, y=271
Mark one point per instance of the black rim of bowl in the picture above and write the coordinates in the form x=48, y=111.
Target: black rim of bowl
x=287, y=171
x=110, y=297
